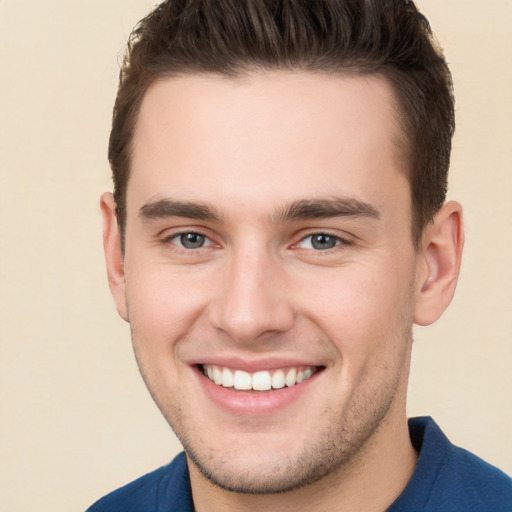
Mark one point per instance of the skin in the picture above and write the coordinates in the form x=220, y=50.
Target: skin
x=246, y=149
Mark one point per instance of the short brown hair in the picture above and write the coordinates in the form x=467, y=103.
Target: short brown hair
x=387, y=38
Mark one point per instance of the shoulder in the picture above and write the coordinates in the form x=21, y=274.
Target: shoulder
x=465, y=478
x=450, y=478
x=155, y=491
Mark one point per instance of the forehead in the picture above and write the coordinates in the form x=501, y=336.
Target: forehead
x=265, y=138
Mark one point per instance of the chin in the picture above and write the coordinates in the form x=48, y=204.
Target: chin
x=266, y=463
x=267, y=474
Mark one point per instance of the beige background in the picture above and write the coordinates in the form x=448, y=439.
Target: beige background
x=76, y=419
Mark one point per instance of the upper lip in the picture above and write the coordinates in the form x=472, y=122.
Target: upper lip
x=255, y=365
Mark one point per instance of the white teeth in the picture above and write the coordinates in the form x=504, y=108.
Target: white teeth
x=227, y=378
x=291, y=377
x=242, y=380
x=261, y=381
x=278, y=379
x=258, y=381
x=217, y=375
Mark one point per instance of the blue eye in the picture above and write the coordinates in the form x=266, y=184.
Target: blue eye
x=320, y=242
x=191, y=240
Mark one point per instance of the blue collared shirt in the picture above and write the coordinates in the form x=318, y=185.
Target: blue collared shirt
x=446, y=479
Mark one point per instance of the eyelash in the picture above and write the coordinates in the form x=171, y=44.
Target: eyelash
x=169, y=240
x=340, y=242
x=328, y=255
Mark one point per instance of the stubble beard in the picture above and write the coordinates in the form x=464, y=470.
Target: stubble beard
x=328, y=454
x=334, y=451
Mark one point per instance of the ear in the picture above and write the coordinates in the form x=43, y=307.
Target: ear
x=113, y=253
x=439, y=263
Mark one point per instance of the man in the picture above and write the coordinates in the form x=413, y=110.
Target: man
x=278, y=224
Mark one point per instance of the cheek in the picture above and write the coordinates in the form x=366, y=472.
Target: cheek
x=162, y=305
x=364, y=310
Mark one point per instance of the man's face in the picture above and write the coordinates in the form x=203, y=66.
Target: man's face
x=268, y=240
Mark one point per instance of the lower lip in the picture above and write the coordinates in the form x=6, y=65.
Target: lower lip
x=253, y=403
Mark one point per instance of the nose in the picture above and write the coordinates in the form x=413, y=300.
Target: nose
x=252, y=299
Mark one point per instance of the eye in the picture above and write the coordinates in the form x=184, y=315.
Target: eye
x=191, y=240
x=320, y=242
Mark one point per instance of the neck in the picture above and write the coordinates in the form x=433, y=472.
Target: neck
x=371, y=482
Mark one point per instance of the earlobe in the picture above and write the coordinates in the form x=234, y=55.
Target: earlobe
x=113, y=253
x=439, y=263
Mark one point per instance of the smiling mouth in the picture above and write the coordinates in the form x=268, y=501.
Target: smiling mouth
x=257, y=381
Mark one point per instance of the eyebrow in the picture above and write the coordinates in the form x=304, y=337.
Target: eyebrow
x=303, y=209
x=325, y=208
x=165, y=208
